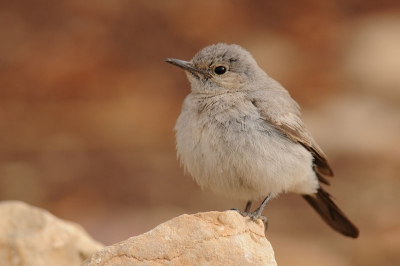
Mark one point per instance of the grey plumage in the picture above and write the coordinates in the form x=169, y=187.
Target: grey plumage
x=240, y=134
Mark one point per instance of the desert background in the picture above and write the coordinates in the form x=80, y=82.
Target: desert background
x=88, y=106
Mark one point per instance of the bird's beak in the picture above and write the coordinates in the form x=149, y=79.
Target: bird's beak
x=187, y=66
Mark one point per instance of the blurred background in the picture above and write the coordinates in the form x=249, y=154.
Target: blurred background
x=88, y=106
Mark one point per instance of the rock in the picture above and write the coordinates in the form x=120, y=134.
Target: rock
x=34, y=237
x=213, y=238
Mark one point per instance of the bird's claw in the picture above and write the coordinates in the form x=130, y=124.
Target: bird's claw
x=253, y=216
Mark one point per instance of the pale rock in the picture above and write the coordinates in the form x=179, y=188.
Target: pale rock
x=30, y=236
x=213, y=238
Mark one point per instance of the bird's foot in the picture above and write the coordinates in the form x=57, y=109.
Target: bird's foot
x=254, y=216
x=257, y=213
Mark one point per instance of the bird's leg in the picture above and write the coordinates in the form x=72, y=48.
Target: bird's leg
x=257, y=213
x=248, y=206
x=244, y=213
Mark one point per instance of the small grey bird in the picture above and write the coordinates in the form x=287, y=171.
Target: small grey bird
x=240, y=135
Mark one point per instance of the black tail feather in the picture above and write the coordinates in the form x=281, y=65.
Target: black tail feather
x=331, y=213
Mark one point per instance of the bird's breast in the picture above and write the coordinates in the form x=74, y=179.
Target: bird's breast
x=226, y=146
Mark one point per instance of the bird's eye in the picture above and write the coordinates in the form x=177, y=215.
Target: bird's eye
x=219, y=70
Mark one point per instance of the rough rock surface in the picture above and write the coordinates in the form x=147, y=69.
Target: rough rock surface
x=213, y=238
x=34, y=237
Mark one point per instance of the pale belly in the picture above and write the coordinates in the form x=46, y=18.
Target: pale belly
x=242, y=158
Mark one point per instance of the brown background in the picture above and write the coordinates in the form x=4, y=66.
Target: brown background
x=88, y=105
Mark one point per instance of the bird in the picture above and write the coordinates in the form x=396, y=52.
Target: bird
x=240, y=135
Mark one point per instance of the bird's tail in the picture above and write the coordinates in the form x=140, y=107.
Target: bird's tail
x=331, y=214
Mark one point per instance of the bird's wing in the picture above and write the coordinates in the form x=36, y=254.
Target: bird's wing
x=293, y=127
x=287, y=120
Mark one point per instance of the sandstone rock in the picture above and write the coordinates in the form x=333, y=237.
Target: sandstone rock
x=34, y=237
x=213, y=238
